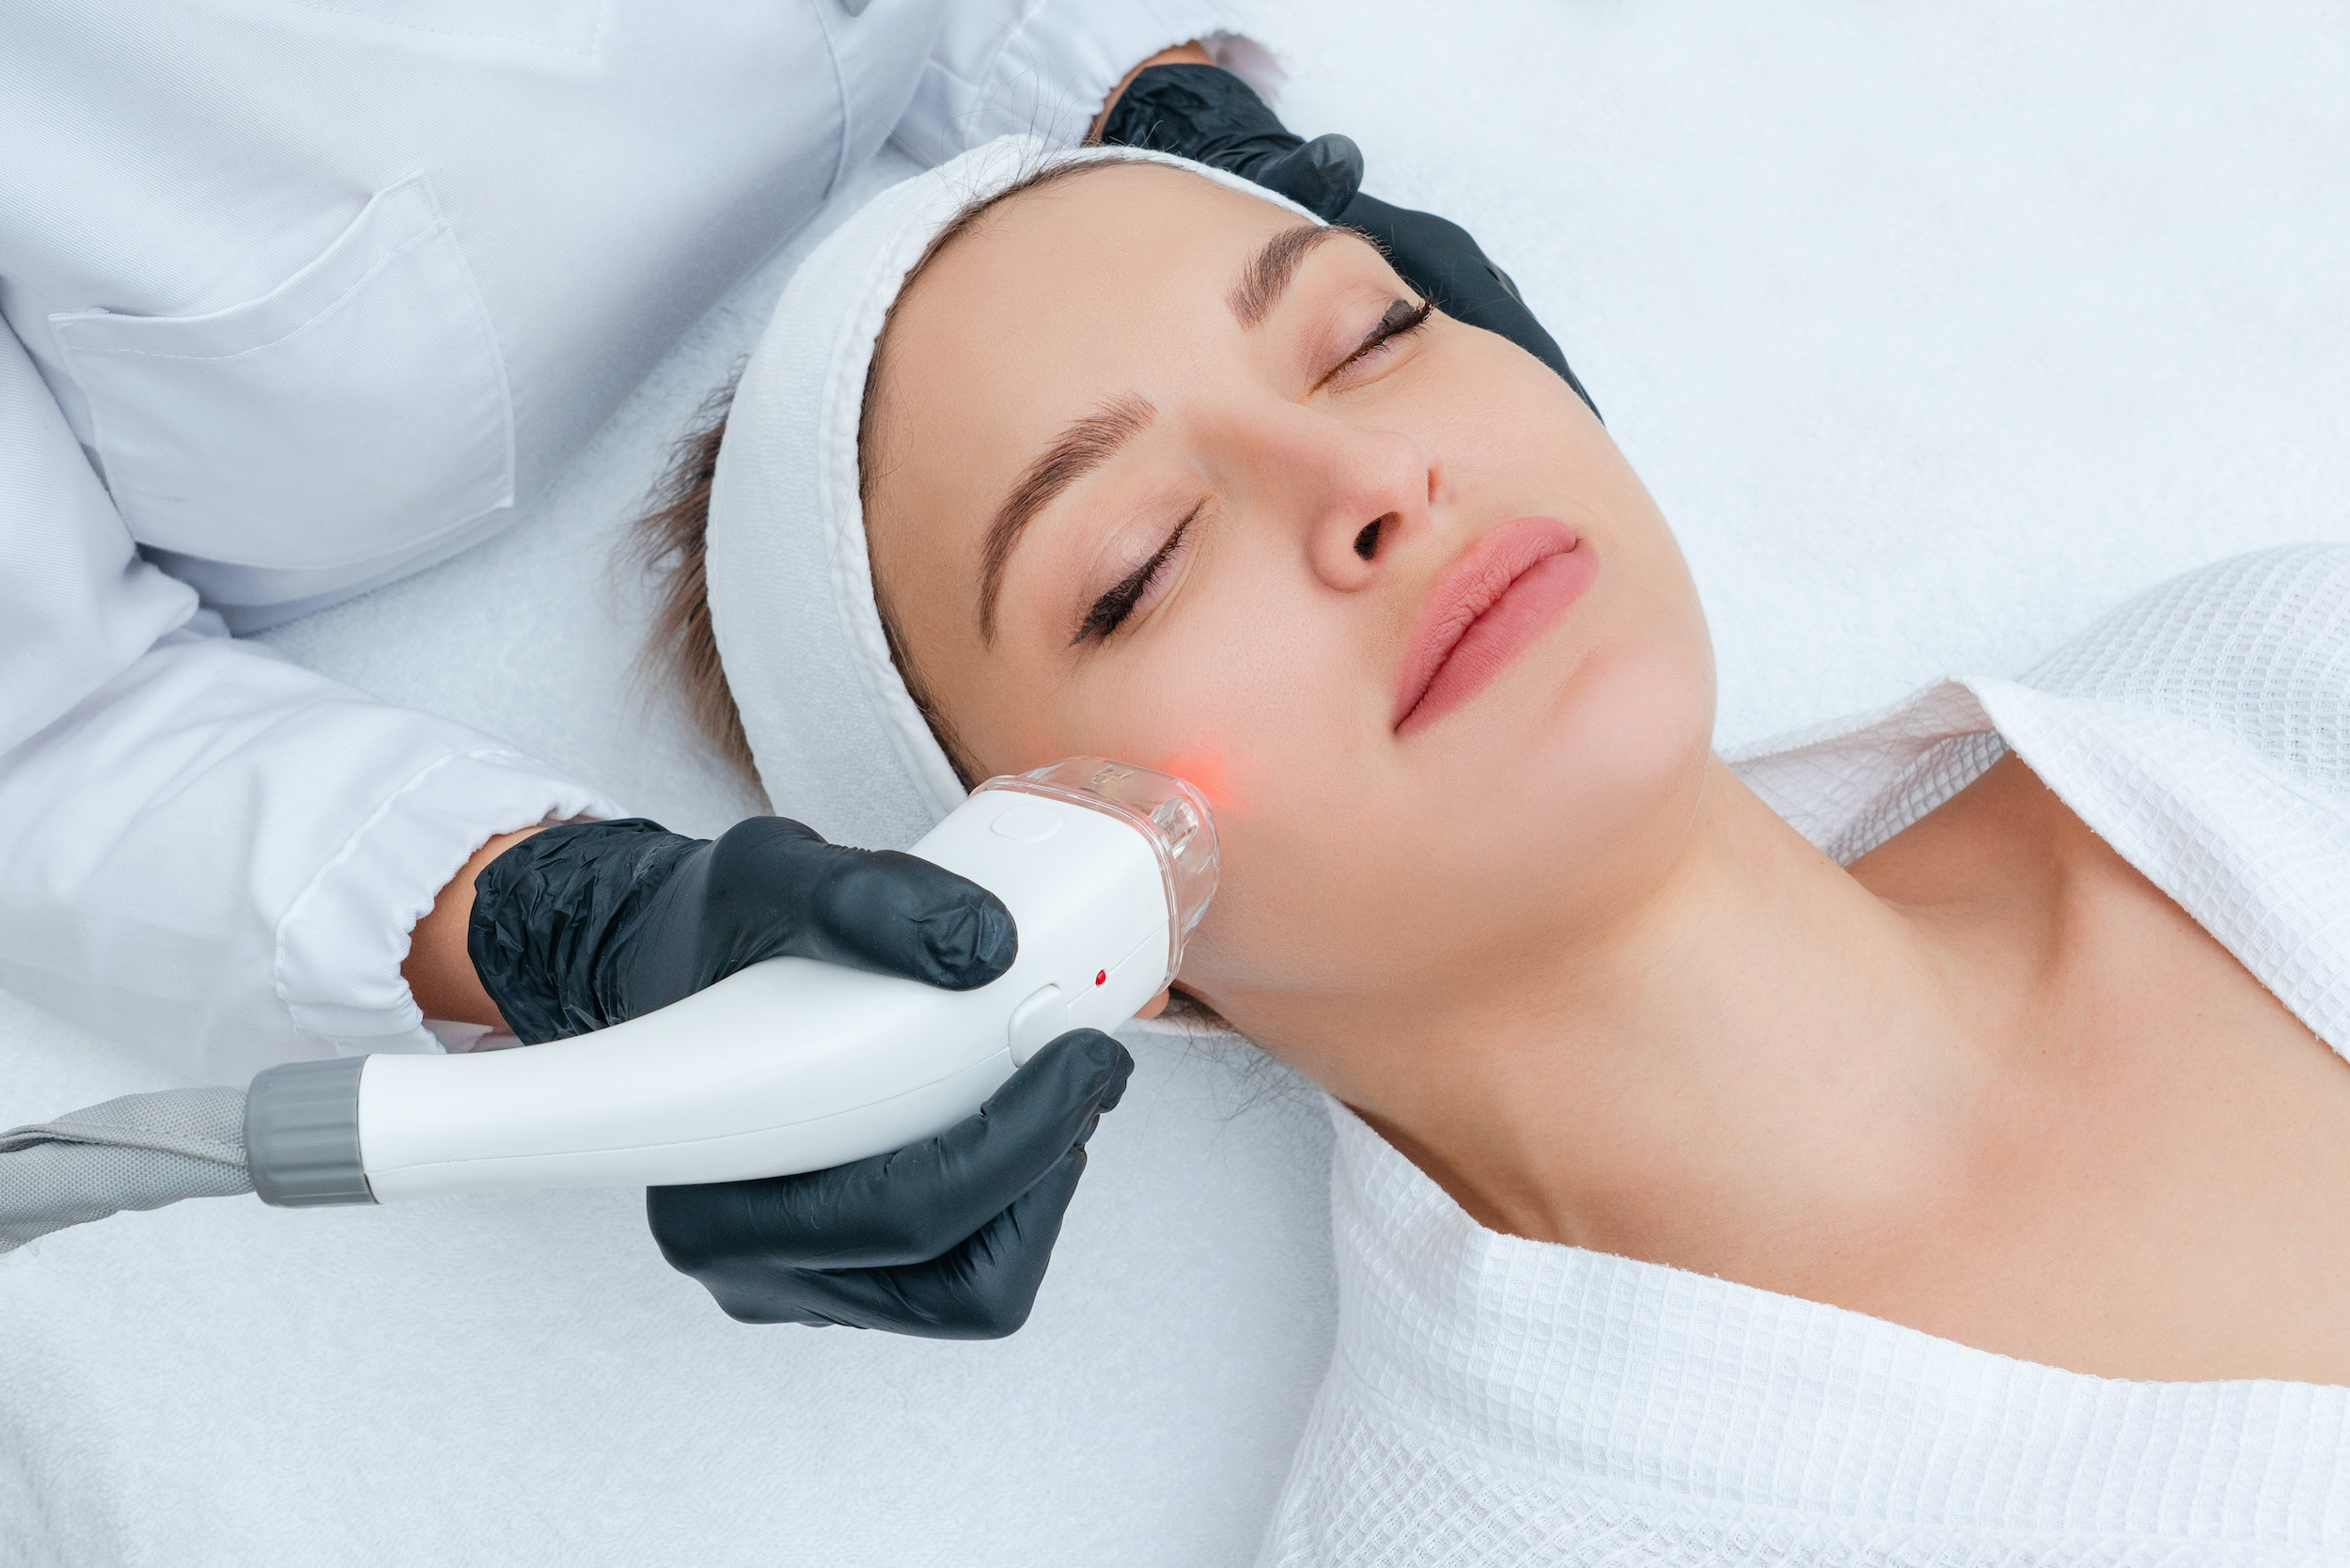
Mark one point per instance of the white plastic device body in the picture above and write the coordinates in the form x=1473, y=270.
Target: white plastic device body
x=794, y=1065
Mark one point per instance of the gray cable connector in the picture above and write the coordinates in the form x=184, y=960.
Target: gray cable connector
x=302, y=1134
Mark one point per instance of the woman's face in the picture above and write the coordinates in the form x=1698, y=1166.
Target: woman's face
x=1155, y=473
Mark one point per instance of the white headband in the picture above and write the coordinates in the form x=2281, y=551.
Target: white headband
x=837, y=741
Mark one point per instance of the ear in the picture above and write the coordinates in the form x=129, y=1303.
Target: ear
x=1153, y=1007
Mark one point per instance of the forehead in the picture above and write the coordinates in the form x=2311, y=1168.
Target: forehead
x=1097, y=231
x=1094, y=277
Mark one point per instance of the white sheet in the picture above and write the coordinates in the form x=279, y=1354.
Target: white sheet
x=1937, y=330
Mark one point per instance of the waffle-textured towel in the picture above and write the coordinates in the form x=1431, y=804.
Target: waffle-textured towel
x=1496, y=1400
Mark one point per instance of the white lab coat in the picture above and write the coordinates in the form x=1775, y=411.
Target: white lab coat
x=303, y=295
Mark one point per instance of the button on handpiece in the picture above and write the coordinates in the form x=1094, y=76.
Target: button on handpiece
x=1037, y=1023
x=1028, y=823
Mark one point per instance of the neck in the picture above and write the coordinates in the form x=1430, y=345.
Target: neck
x=1701, y=1080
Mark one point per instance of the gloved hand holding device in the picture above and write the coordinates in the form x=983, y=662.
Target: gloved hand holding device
x=947, y=1239
x=1209, y=115
x=579, y=927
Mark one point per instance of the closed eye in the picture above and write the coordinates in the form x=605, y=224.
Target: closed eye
x=1402, y=318
x=1110, y=611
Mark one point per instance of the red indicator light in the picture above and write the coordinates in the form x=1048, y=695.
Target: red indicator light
x=1100, y=976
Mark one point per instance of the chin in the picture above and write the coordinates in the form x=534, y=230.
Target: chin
x=1622, y=744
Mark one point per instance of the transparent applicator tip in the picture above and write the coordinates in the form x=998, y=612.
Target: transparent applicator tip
x=1168, y=811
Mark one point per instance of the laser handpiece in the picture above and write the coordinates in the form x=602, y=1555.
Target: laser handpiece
x=789, y=1065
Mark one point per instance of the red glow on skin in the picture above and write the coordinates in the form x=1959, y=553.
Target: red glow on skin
x=1204, y=769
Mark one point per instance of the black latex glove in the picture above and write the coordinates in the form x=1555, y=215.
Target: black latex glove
x=947, y=1239
x=1210, y=116
x=581, y=926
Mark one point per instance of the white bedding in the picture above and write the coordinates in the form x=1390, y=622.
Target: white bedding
x=1937, y=330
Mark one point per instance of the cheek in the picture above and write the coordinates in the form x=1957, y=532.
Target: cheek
x=1369, y=880
x=1257, y=699
x=1422, y=869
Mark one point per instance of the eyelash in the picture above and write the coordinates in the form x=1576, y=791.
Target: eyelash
x=1389, y=328
x=1110, y=611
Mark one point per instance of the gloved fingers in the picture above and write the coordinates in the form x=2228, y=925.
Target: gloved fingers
x=1200, y=111
x=1207, y=113
x=906, y=1207
x=899, y=914
x=1079, y=1059
x=1439, y=259
x=915, y=1204
x=1322, y=176
x=776, y=888
x=982, y=1289
x=771, y=1293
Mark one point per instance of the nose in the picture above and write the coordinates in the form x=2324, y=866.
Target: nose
x=1362, y=496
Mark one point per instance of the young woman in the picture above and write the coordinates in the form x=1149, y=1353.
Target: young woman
x=1152, y=468
x=300, y=300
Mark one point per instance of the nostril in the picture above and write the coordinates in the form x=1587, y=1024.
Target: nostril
x=1367, y=543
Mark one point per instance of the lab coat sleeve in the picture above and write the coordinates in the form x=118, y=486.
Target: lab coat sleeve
x=209, y=851
x=1043, y=67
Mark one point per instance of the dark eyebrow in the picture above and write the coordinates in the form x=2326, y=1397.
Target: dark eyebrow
x=1269, y=271
x=1081, y=449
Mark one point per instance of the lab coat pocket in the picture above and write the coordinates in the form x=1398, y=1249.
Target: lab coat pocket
x=357, y=409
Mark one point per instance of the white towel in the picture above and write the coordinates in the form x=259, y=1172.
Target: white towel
x=1504, y=1402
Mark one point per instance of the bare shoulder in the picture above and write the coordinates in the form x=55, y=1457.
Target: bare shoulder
x=2150, y=1100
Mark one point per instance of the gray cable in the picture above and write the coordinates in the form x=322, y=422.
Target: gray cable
x=139, y=1152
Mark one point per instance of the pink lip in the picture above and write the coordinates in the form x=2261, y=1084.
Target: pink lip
x=1504, y=592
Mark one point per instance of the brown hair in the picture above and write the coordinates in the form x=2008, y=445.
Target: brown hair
x=671, y=539
x=671, y=542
